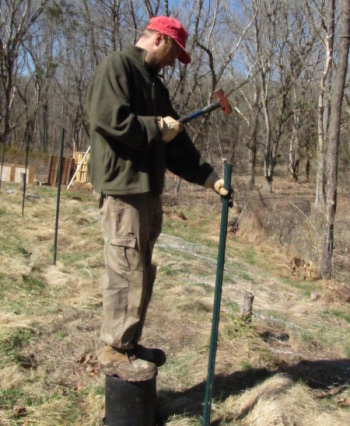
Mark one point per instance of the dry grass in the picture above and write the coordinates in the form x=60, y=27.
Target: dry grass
x=279, y=401
x=268, y=372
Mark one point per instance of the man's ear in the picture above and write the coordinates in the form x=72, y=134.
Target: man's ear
x=158, y=39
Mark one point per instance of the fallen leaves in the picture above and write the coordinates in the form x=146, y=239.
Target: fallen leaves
x=90, y=363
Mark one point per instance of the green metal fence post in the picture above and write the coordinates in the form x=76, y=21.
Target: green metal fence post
x=217, y=300
x=58, y=196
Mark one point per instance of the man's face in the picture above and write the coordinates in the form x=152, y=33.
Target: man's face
x=166, y=53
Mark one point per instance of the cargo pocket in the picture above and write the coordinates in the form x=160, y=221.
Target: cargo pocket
x=128, y=255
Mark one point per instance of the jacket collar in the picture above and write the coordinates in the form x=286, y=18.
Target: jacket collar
x=139, y=55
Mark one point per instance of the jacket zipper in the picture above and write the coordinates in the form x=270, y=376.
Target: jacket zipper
x=153, y=97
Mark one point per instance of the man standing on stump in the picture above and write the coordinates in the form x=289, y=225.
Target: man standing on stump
x=135, y=137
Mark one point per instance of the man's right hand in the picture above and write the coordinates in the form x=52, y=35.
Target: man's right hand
x=169, y=128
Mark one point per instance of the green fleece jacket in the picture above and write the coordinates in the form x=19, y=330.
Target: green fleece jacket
x=127, y=156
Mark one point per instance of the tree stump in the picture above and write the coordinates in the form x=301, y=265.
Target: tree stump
x=247, y=305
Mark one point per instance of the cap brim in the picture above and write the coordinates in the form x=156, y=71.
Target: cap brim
x=183, y=57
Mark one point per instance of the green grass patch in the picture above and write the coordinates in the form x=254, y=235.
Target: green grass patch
x=245, y=276
x=23, y=293
x=276, y=315
x=61, y=334
x=208, y=289
x=228, y=278
x=9, y=397
x=235, y=325
x=306, y=337
x=194, y=229
x=306, y=286
x=332, y=336
x=167, y=270
x=57, y=408
x=342, y=315
x=73, y=257
x=10, y=244
x=249, y=255
x=181, y=367
x=246, y=365
x=11, y=349
x=23, y=282
x=347, y=350
x=195, y=307
x=33, y=284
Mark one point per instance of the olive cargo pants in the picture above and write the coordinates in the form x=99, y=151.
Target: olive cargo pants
x=131, y=225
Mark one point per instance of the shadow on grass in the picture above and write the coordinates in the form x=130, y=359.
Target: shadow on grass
x=322, y=374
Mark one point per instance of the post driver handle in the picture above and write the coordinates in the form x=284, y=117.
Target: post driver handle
x=200, y=112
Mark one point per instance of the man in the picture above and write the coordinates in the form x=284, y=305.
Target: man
x=135, y=137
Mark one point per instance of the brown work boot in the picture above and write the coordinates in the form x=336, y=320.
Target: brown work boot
x=128, y=367
x=154, y=355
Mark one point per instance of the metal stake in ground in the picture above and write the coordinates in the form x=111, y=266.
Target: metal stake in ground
x=58, y=197
x=25, y=172
x=217, y=300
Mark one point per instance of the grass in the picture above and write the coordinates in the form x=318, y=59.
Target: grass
x=51, y=315
x=235, y=326
x=342, y=315
x=245, y=276
x=306, y=286
x=12, y=347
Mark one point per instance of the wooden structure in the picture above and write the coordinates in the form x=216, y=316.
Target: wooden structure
x=73, y=169
x=68, y=168
x=14, y=173
x=81, y=162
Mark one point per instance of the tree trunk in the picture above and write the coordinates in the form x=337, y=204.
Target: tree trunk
x=253, y=140
x=333, y=146
x=294, y=148
x=324, y=111
x=45, y=126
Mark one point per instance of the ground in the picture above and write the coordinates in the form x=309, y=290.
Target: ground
x=288, y=365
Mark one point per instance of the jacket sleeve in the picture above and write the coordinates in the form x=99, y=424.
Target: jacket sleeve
x=109, y=109
x=182, y=157
x=184, y=160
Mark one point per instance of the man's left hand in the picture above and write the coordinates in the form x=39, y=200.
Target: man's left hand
x=218, y=184
x=220, y=188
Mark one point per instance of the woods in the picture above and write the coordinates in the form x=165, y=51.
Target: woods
x=282, y=64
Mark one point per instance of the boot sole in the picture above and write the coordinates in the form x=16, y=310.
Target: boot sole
x=129, y=375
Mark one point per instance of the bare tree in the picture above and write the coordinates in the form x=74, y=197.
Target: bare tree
x=301, y=47
x=16, y=18
x=323, y=21
x=152, y=7
x=38, y=46
x=270, y=47
x=333, y=144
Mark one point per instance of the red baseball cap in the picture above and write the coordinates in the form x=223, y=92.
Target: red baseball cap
x=172, y=28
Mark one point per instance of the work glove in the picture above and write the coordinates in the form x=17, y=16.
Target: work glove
x=215, y=182
x=169, y=128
